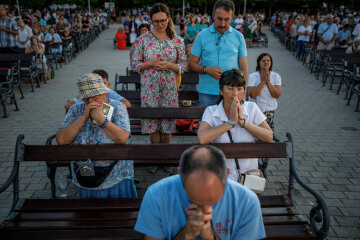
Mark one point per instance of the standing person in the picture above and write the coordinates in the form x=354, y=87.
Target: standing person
x=132, y=30
x=327, y=33
x=159, y=56
x=25, y=33
x=85, y=124
x=120, y=37
x=8, y=32
x=200, y=203
x=191, y=30
x=304, y=34
x=265, y=87
x=217, y=49
x=203, y=24
x=239, y=21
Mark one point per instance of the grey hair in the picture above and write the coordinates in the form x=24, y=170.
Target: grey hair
x=227, y=5
x=214, y=163
x=355, y=40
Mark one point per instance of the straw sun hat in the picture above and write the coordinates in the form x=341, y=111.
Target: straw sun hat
x=90, y=85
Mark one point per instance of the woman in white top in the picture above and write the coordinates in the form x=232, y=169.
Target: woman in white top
x=304, y=34
x=264, y=87
x=355, y=47
x=243, y=120
x=25, y=33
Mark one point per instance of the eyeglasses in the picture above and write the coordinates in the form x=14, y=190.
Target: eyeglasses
x=232, y=71
x=162, y=21
x=218, y=40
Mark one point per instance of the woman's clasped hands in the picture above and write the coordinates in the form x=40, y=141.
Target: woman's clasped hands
x=94, y=111
x=236, y=114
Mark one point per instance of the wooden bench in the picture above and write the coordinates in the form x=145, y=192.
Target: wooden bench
x=25, y=62
x=136, y=114
x=7, y=88
x=134, y=78
x=115, y=218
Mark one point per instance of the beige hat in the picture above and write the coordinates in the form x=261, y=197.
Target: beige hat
x=90, y=85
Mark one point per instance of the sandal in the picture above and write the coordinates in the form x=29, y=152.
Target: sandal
x=153, y=169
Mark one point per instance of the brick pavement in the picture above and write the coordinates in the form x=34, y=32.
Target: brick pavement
x=325, y=130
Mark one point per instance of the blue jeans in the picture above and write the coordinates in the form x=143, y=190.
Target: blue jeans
x=207, y=99
x=301, y=45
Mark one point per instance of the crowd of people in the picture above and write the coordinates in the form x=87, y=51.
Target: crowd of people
x=56, y=29
x=161, y=56
x=325, y=30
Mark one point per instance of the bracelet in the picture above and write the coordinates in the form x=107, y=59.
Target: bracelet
x=242, y=126
x=105, y=123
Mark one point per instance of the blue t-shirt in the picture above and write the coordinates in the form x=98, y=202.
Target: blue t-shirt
x=191, y=31
x=216, y=50
x=343, y=35
x=202, y=27
x=328, y=35
x=163, y=211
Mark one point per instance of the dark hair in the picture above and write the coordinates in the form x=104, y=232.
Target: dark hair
x=214, y=162
x=260, y=57
x=143, y=25
x=159, y=7
x=227, y=5
x=102, y=73
x=346, y=26
x=233, y=77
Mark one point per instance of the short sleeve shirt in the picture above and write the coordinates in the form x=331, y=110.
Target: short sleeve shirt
x=91, y=133
x=302, y=29
x=237, y=215
x=328, y=35
x=215, y=116
x=49, y=37
x=264, y=100
x=222, y=51
x=8, y=39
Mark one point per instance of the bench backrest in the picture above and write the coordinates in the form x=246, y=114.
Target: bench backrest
x=146, y=154
x=171, y=113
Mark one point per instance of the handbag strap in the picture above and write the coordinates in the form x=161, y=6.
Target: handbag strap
x=236, y=160
x=326, y=30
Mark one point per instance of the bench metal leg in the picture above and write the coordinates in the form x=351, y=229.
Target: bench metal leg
x=51, y=171
x=15, y=103
x=4, y=108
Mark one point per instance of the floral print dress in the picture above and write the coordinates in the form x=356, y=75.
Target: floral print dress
x=158, y=88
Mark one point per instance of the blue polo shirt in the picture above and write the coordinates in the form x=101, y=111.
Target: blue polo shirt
x=223, y=52
x=328, y=35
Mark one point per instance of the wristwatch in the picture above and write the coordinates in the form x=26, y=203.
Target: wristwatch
x=203, y=69
x=231, y=122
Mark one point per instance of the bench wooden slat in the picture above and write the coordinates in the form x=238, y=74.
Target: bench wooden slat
x=293, y=232
x=146, y=151
x=122, y=234
x=279, y=211
x=164, y=113
x=61, y=216
x=66, y=205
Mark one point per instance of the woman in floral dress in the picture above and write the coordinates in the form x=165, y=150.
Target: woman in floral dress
x=159, y=56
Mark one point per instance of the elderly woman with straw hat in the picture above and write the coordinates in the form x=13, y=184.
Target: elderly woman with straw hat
x=85, y=124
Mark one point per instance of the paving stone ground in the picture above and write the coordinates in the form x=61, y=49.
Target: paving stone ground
x=325, y=130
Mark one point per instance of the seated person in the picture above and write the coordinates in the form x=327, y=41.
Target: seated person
x=85, y=124
x=52, y=38
x=66, y=39
x=200, y=203
x=343, y=36
x=34, y=46
x=110, y=95
x=244, y=121
x=355, y=47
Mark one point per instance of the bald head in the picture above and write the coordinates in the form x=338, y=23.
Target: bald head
x=203, y=158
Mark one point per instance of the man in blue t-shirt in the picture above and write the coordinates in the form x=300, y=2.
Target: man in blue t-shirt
x=217, y=49
x=200, y=203
x=327, y=33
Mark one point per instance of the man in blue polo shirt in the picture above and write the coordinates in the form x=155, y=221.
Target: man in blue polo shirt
x=200, y=203
x=327, y=33
x=217, y=49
